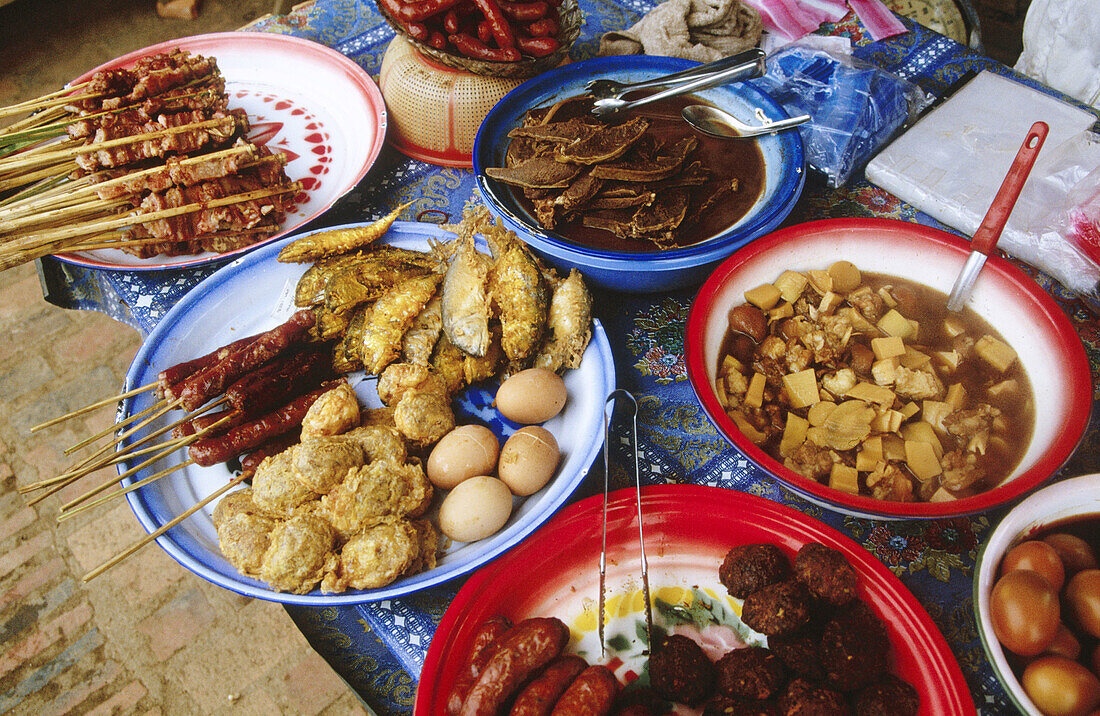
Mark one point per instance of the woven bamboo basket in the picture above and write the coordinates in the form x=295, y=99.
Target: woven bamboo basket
x=570, y=19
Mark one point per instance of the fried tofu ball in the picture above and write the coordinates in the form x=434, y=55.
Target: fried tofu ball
x=749, y=567
x=777, y=609
x=888, y=696
x=299, y=554
x=827, y=573
x=378, y=555
x=276, y=490
x=236, y=502
x=322, y=463
x=752, y=672
x=382, y=488
x=423, y=418
x=243, y=539
x=854, y=648
x=679, y=670
x=380, y=442
x=804, y=698
x=334, y=412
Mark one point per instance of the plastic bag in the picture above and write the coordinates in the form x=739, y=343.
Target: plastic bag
x=856, y=107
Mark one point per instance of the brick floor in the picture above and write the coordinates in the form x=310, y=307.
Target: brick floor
x=147, y=637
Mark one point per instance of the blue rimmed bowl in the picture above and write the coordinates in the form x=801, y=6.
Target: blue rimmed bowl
x=639, y=272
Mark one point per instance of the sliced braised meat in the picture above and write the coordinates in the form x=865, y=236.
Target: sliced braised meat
x=660, y=167
x=606, y=143
x=566, y=132
x=536, y=173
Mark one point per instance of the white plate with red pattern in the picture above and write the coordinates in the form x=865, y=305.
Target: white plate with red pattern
x=316, y=106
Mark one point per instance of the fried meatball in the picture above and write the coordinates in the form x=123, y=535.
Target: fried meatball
x=854, y=648
x=638, y=701
x=725, y=706
x=800, y=652
x=826, y=572
x=888, y=696
x=777, y=609
x=750, y=673
x=804, y=698
x=749, y=567
x=679, y=670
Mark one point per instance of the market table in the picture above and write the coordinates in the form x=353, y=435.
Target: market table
x=379, y=648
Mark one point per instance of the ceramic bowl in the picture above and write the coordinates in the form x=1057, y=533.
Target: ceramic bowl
x=1019, y=309
x=638, y=271
x=1059, y=502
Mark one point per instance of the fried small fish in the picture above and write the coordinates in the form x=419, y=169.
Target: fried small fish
x=465, y=308
x=519, y=293
x=569, y=325
x=422, y=335
x=390, y=315
x=338, y=241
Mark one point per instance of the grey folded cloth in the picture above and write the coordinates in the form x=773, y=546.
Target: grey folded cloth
x=700, y=30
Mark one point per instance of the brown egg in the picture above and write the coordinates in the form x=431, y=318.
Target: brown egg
x=528, y=460
x=1061, y=687
x=1065, y=644
x=531, y=396
x=1025, y=612
x=1038, y=556
x=475, y=509
x=1075, y=552
x=1083, y=598
x=465, y=452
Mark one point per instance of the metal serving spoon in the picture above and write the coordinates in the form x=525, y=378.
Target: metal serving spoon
x=750, y=62
x=610, y=106
x=719, y=123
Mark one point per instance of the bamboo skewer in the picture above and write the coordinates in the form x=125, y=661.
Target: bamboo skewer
x=93, y=406
x=114, y=428
x=32, y=105
x=167, y=526
x=29, y=105
x=69, y=512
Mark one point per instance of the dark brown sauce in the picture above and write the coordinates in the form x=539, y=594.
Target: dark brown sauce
x=723, y=158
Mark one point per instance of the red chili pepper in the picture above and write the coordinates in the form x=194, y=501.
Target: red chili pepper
x=524, y=12
x=546, y=27
x=478, y=50
x=537, y=46
x=498, y=23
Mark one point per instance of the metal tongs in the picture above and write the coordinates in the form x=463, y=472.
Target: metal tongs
x=735, y=68
x=638, y=497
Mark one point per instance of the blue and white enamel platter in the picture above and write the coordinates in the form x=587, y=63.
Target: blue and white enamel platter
x=255, y=293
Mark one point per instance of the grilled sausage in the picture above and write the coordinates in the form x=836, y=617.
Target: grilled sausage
x=523, y=651
x=248, y=436
x=591, y=694
x=169, y=378
x=272, y=447
x=280, y=380
x=480, y=653
x=208, y=382
x=203, y=422
x=540, y=695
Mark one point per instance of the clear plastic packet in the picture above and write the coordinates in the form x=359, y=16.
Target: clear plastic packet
x=856, y=107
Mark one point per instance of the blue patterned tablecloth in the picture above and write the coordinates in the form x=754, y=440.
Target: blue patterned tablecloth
x=379, y=648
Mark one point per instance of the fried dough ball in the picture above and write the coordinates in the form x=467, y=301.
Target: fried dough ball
x=679, y=670
x=888, y=696
x=401, y=378
x=423, y=418
x=803, y=698
x=322, y=463
x=752, y=672
x=299, y=554
x=334, y=412
x=243, y=539
x=749, y=567
x=380, y=489
x=854, y=648
x=380, y=442
x=827, y=573
x=777, y=609
x=275, y=489
x=236, y=502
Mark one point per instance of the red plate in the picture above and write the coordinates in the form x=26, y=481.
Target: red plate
x=686, y=527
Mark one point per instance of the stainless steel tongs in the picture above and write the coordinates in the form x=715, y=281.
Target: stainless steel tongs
x=735, y=68
x=638, y=497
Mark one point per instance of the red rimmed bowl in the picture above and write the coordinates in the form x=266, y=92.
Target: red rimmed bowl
x=1025, y=315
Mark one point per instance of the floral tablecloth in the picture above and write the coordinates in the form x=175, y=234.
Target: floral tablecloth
x=379, y=648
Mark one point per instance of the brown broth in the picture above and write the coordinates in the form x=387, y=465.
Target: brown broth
x=723, y=158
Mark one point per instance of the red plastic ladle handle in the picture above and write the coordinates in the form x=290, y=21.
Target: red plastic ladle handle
x=985, y=238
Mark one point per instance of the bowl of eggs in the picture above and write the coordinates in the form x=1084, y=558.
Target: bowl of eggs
x=643, y=203
x=824, y=352
x=1037, y=599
